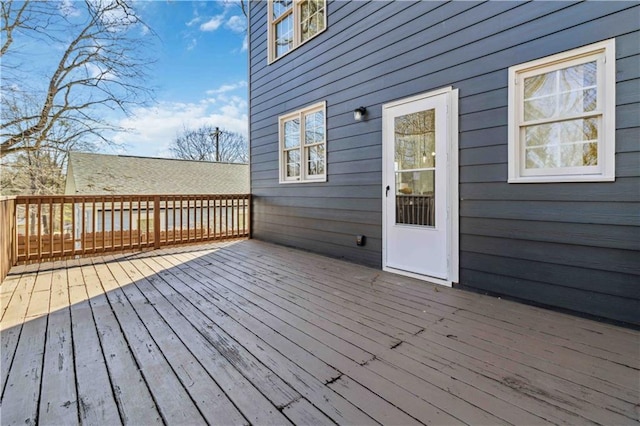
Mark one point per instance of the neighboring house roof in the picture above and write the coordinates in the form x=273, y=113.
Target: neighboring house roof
x=95, y=174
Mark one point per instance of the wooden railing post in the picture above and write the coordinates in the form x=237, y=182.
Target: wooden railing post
x=13, y=232
x=156, y=222
x=7, y=235
x=249, y=214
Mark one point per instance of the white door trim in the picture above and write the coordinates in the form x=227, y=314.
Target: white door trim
x=452, y=194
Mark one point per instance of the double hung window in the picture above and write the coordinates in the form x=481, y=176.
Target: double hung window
x=302, y=137
x=562, y=117
x=293, y=22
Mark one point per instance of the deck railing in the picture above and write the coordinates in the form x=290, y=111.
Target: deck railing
x=415, y=210
x=51, y=227
x=7, y=234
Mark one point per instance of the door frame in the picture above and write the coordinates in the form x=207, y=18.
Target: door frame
x=452, y=198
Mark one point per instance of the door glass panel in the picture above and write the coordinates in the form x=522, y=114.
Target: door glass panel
x=415, y=140
x=415, y=198
x=414, y=165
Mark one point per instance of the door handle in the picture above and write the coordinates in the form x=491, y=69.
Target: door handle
x=386, y=194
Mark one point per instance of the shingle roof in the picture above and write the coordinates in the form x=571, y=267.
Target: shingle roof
x=121, y=174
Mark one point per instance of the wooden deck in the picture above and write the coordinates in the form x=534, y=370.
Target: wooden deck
x=251, y=333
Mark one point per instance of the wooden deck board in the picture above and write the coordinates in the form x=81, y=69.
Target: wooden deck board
x=23, y=382
x=462, y=403
x=397, y=394
x=247, y=332
x=207, y=395
x=11, y=325
x=58, y=387
x=176, y=407
x=96, y=400
x=533, y=319
x=254, y=405
x=583, y=360
x=135, y=402
x=306, y=373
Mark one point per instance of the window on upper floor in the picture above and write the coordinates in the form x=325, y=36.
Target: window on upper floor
x=303, y=143
x=562, y=117
x=293, y=22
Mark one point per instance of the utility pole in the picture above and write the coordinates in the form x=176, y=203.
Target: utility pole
x=217, y=135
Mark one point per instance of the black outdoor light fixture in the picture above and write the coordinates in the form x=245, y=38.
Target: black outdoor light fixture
x=359, y=113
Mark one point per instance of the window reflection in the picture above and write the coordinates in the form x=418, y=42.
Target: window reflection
x=311, y=18
x=572, y=143
x=415, y=146
x=415, y=162
x=563, y=92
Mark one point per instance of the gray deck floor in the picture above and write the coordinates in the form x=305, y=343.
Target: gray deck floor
x=251, y=333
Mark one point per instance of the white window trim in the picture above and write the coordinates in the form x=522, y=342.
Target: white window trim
x=605, y=171
x=304, y=164
x=297, y=37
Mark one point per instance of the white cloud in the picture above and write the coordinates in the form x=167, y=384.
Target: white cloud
x=245, y=44
x=236, y=23
x=194, y=21
x=213, y=23
x=95, y=71
x=227, y=88
x=228, y=4
x=192, y=44
x=68, y=9
x=151, y=130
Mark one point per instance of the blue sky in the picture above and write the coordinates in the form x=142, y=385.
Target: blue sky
x=199, y=78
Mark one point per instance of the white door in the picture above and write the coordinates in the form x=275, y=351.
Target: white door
x=417, y=182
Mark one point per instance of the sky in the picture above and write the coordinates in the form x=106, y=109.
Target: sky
x=200, y=76
x=198, y=70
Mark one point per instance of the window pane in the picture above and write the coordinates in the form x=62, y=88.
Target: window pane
x=415, y=198
x=292, y=133
x=537, y=108
x=293, y=163
x=315, y=160
x=540, y=85
x=415, y=143
x=583, y=75
x=284, y=35
x=314, y=127
x=567, y=91
x=577, y=102
x=572, y=143
x=311, y=18
x=582, y=154
x=305, y=11
x=280, y=7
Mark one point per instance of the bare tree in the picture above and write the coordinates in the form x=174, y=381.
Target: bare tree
x=33, y=173
x=101, y=67
x=200, y=145
x=242, y=4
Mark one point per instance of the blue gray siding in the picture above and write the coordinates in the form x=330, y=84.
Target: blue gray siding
x=569, y=245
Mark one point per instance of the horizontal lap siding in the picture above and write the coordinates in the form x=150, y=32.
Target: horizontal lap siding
x=570, y=245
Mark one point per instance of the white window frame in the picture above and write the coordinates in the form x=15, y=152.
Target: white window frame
x=304, y=176
x=297, y=36
x=604, y=54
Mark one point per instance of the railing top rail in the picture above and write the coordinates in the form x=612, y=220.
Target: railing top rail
x=24, y=199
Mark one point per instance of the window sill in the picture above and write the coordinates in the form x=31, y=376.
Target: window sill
x=320, y=180
x=562, y=179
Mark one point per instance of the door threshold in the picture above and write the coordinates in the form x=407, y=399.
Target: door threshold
x=433, y=280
